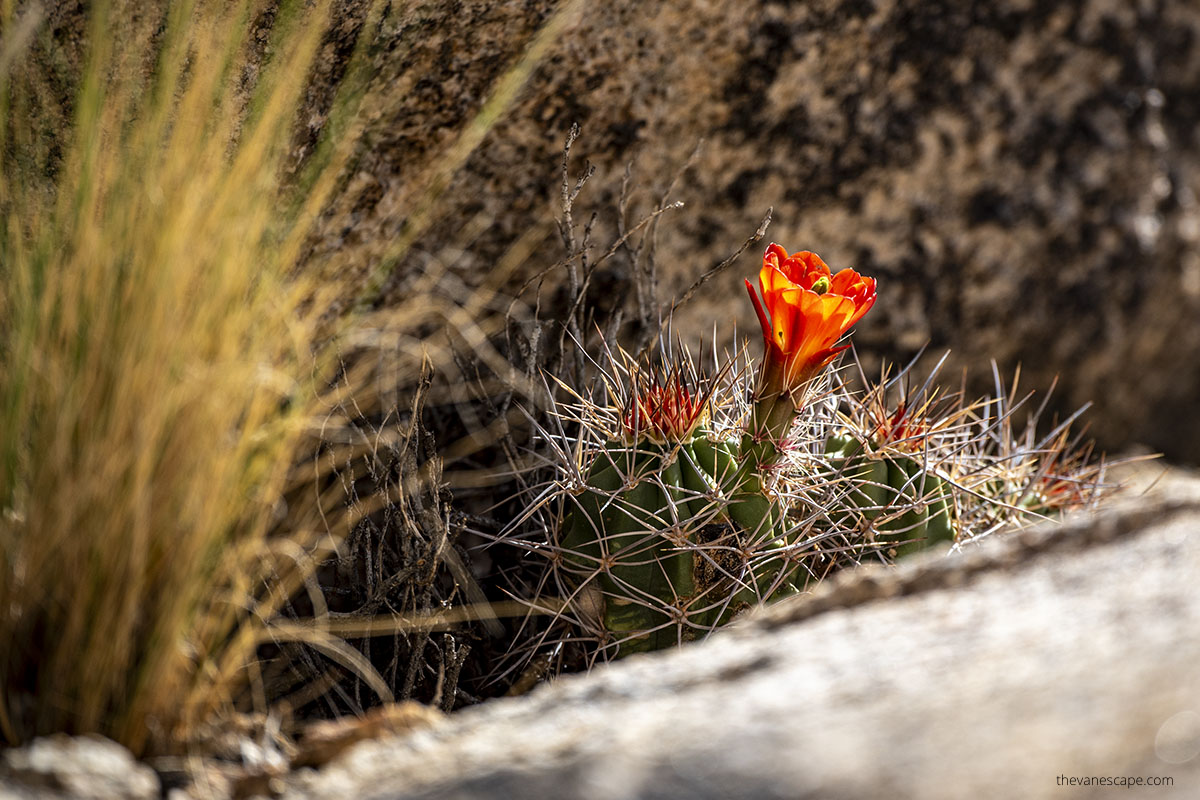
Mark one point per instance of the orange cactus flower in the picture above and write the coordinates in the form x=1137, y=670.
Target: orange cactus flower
x=804, y=310
x=663, y=410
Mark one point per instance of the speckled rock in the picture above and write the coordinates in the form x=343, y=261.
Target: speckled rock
x=1020, y=175
x=1007, y=671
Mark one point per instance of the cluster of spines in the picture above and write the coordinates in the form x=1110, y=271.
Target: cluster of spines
x=650, y=544
x=681, y=500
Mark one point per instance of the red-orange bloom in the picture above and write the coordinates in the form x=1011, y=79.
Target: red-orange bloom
x=804, y=310
x=664, y=411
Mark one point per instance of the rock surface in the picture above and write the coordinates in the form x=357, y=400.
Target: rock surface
x=1021, y=175
x=84, y=768
x=1063, y=652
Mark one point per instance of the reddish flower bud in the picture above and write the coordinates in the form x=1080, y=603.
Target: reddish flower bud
x=664, y=411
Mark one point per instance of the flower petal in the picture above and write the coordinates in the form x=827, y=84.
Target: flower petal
x=802, y=327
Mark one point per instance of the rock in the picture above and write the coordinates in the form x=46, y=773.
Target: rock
x=1020, y=175
x=85, y=767
x=1064, y=652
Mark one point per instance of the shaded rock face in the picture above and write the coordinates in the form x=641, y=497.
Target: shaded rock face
x=1007, y=671
x=1019, y=175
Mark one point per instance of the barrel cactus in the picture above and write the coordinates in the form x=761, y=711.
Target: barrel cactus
x=662, y=542
x=680, y=501
x=902, y=500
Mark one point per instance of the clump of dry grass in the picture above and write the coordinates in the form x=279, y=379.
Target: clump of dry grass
x=189, y=432
x=157, y=372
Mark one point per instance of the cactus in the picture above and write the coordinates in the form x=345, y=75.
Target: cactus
x=675, y=527
x=675, y=507
x=660, y=530
x=882, y=483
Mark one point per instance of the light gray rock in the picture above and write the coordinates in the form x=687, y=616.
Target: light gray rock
x=1062, y=652
x=84, y=767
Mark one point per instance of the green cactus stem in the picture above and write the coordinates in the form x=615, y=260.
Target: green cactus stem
x=882, y=480
x=660, y=530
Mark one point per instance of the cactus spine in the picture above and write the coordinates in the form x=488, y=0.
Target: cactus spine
x=914, y=504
